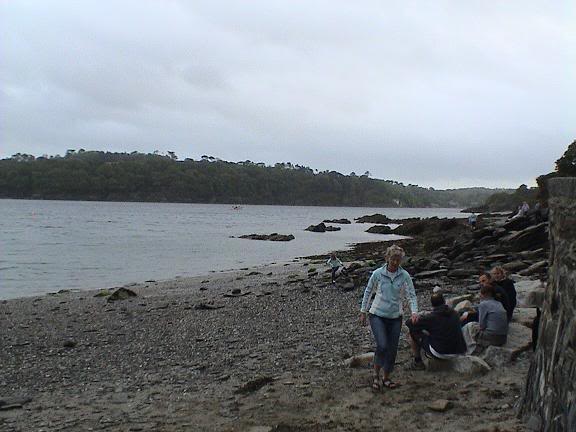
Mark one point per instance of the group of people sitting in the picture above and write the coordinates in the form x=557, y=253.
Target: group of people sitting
x=442, y=333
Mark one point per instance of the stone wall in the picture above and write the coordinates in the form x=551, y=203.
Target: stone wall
x=549, y=401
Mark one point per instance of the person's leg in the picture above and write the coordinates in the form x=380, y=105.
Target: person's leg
x=334, y=274
x=393, y=328
x=380, y=337
x=470, y=332
x=414, y=341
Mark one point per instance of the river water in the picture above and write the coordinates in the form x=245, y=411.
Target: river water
x=46, y=246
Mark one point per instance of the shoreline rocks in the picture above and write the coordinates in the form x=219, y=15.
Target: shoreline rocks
x=269, y=237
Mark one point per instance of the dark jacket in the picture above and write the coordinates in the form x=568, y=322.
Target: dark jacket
x=508, y=287
x=443, y=325
x=503, y=298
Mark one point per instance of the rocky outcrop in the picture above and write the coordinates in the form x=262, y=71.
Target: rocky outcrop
x=549, y=401
x=121, y=294
x=432, y=224
x=321, y=227
x=374, y=219
x=269, y=237
x=380, y=229
x=337, y=221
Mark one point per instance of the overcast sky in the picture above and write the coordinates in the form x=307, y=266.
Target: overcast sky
x=443, y=93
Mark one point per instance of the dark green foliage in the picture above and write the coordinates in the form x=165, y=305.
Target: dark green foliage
x=510, y=201
x=105, y=176
x=566, y=165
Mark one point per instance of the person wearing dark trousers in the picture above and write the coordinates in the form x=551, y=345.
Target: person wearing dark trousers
x=334, y=263
x=438, y=333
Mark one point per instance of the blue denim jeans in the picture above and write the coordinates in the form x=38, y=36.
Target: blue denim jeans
x=386, y=333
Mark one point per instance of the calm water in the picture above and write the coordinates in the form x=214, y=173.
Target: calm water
x=46, y=246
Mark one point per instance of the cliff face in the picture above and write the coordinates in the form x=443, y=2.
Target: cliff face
x=549, y=402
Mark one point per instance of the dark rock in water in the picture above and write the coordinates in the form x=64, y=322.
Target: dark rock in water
x=236, y=291
x=269, y=237
x=121, y=294
x=380, y=229
x=374, y=219
x=317, y=228
x=332, y=228
x=337, y=221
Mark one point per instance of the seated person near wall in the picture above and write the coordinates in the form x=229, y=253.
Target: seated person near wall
x=492, y=325
x=500, y=295
x=500, y=279
x=438, y=333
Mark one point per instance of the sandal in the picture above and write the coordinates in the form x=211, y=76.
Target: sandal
x=389, y=384
x=376, y=384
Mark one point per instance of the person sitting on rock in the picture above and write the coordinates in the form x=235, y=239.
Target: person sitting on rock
x=334, y=263
x=438, y=333
x=501, y=280
x=500, y=295
x=492, y=325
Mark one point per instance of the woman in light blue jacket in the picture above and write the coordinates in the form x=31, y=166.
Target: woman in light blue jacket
x=390, y=282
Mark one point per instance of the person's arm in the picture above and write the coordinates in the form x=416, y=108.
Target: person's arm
x=340, y=263
x=368, y=292
x=329, y=261
x=410, y=292
x=482, y=316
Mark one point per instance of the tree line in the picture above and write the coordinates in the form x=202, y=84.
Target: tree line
x=154, y=177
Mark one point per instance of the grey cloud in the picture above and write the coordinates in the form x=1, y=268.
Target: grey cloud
x=440, y=94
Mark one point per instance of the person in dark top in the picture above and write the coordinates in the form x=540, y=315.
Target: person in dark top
x=500, y=295
x=501, y=280
x=438, y=333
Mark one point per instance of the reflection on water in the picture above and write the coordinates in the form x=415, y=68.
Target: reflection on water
x=50, y=245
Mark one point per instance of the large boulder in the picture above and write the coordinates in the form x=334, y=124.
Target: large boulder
x=317, y=228
x=530, y=293
x=269, y=237
x=380, y=229
x=517, y=224
x=519, y=340
x=524, y=316
x=361, y=360
x=332, y=228
x=337, y=221
x=431, y=274
x=533, y=237
x=121, y=294
x=514, y=266
x=536, y=268
x=464, y=365
x=375, y=219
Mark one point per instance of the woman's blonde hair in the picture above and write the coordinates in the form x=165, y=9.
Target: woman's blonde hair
x=393, y=251
x=499, y=269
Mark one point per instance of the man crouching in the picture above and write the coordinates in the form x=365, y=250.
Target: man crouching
x=438, y=333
